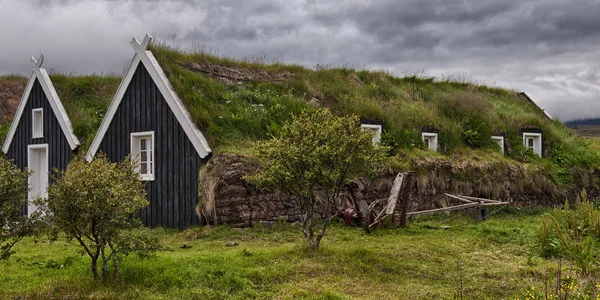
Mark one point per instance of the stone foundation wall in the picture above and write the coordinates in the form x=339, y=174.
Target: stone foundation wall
x=240, y=204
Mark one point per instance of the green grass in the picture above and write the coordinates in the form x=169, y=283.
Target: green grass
x=233, y=113
x=85, y=98
x=4, y=131
x=228, y=110
x=498, y=259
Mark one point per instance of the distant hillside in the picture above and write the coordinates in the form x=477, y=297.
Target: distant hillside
x=595, y=121
x=585, y=127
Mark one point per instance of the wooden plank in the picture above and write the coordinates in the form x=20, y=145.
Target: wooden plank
x=479, y=199
x=174, y=169
x=187, y=167
x=377, y=221
x=494, y=204
x=406, y=197
x=431, y=211
x=393, y=199
x=168, y=167
x=153, y=107
x=458, y=198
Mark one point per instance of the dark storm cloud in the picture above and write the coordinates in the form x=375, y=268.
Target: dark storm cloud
x=389, y=17
x=547, y=48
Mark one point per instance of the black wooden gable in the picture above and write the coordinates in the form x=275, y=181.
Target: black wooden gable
x=59, y=151
x=173, y=192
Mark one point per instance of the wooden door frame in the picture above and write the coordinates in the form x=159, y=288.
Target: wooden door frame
x=31, y=149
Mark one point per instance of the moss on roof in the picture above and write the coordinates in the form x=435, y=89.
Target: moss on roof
x=85, y=98
x=235, y=102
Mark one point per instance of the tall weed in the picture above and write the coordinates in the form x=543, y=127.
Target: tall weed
x=573, y=233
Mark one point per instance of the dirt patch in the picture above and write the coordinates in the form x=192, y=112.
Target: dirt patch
x=236, y=74
x=11, y=90
x=353, y=79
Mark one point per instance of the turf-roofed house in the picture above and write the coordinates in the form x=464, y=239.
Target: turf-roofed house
x=148, y=122
x=457, y=137
x=40, y=137
x=48, y=119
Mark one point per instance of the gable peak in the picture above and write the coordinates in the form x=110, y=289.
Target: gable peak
x=37, y=63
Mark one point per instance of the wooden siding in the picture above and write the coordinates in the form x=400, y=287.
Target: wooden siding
x=59, y=151
x=173, y=193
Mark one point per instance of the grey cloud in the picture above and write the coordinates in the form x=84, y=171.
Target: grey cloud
x=544, y=47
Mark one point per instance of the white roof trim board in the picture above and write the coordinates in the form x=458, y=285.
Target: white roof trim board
x=164, y=86
x=59, y=111
x=524, y=95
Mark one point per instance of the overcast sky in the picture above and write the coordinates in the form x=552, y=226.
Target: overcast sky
x=547, y=48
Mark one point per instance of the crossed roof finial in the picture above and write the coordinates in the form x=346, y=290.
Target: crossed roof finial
x=37, y=63
x=143, y=45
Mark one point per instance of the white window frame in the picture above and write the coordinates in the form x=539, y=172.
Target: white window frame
x=500, y=140
x=433, y=140
x=34, y=133
x=135, y=153
x=537, y=142
x=375, y=128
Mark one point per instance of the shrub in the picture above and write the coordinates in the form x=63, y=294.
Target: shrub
x=400, y=139
x=314, y=157
x=14, y=225
x=574, y=233
x=94, y=203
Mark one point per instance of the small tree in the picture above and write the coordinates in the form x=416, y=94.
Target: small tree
x=14, y=225
x=93, y=203
x=317, y=154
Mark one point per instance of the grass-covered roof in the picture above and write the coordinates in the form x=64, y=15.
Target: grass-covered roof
x=85, y=98
x=235, y=102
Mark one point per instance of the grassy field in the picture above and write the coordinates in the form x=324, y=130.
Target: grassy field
x=495, y=259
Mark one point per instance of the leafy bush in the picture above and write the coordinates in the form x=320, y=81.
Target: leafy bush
x=400, y=139
x=313, y=158
x=574, y=233
x=14, y=225
x=93, y=204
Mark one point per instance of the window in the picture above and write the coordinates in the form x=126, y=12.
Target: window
x=530, y=143
x=37, y=123
x=376, y=129
x=533, y=141
x=500, y=141
x=431, y=140
x=142, y=153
